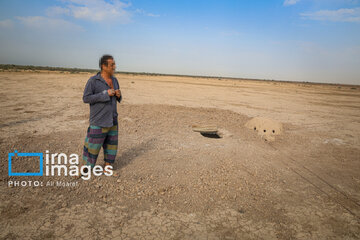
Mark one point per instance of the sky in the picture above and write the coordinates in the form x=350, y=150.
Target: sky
x=292, y=40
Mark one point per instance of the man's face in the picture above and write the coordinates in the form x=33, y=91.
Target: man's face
x=110, y=68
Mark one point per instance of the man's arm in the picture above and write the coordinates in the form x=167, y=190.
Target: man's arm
x=119, y=99
x=118, y=95
x=91, y=97
x=117, y=91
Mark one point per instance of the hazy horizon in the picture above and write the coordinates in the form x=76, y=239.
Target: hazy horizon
x=291, y=40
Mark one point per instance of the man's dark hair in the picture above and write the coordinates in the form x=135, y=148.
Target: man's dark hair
x=104, y=60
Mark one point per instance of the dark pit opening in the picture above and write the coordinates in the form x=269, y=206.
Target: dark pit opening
x=210, y=135
x=254, y=128
x=273, y=131
x=264, y=130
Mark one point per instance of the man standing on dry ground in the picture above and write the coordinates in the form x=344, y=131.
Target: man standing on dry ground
x=102, y=92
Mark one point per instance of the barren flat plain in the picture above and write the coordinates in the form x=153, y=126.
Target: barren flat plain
x=285, y=163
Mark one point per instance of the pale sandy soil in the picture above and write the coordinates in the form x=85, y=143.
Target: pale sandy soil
x=174, y=183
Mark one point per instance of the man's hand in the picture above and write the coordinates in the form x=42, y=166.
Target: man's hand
x=117, y=93
x=111, y=92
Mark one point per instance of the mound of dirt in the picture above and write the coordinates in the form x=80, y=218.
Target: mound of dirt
x=266, y=128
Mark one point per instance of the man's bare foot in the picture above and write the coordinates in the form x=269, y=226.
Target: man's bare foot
x=78, y=176
x=109, y=164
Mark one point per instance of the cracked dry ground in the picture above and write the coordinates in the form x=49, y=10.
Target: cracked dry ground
x=174, y=183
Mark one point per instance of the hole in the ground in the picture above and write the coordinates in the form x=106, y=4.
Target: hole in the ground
x=264, y=130
x=273, y=131
x=254, y=128
x=210, y=135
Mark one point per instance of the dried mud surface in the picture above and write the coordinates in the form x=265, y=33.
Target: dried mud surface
x=174, y=183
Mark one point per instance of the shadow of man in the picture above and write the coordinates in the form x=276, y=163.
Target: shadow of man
x=130, y=154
